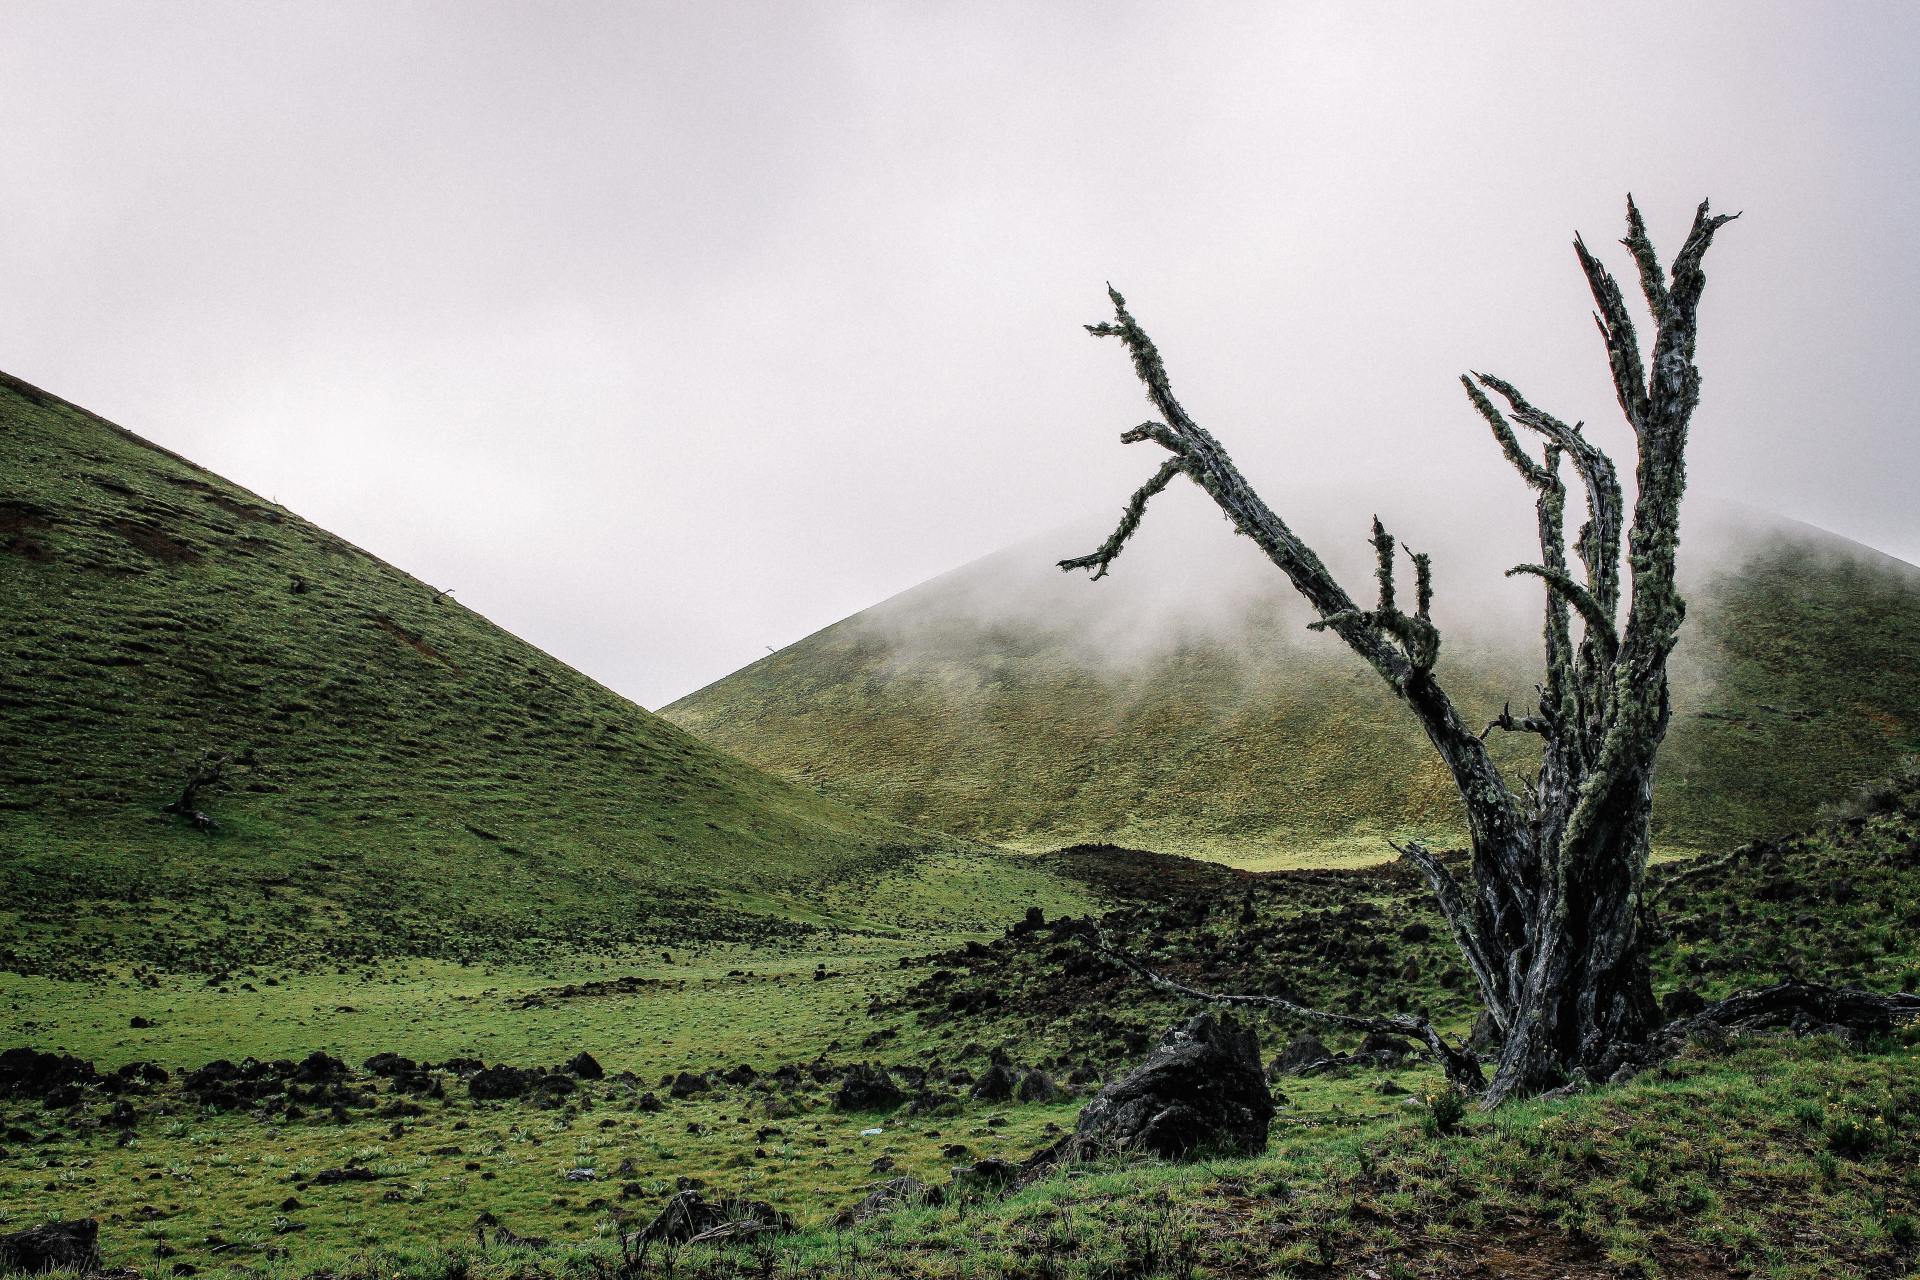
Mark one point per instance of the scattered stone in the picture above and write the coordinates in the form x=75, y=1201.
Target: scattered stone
x=997, y=1084
x=351, y=1173
x=584, y=1066
x=1037, y=1086
x=988, y=1174
x=499, y=1082
x=1418, y=931
x=1682, y=1002
x=867, y=1087
x=29, y=1073
x=1305, y=1050
x=319, y=1068
x=1484, y=1040
x=686, y=1084
x=1380, y=1045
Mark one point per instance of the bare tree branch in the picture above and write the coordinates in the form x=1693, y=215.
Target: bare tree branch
x=1652, y=282
x=1599, y=624
x=1507, y=722
x=1617, y=331
x=1599, y=541
x=1461, y=1066
x=1100, y=559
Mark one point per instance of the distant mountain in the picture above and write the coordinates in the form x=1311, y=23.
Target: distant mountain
x=404, y=776
x=1181, y=705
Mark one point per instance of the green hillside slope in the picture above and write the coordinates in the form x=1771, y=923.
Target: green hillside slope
x=406, y=777
x=997, y=702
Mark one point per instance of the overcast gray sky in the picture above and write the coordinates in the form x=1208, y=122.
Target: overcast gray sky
x=668, y=333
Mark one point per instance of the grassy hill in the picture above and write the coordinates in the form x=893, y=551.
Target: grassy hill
x=405, y=778
x=1010, y=702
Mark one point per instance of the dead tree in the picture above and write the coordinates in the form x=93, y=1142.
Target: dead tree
x=206, y=772
x=1549, y=921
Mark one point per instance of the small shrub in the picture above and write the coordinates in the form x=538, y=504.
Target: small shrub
x=1445, y=1110
x=1852, y=1135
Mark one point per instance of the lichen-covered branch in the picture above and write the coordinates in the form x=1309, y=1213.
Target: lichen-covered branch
x=1461, y=1066
x=1599, y=540
x=1102, y=557
x=1599, y=623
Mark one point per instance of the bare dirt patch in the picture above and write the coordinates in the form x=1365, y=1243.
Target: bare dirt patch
x=155, y=541
x=417, y=643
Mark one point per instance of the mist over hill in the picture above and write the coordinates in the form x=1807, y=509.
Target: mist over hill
x=1181, y=704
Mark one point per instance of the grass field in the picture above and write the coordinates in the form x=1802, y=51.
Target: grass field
x=1805, y=1167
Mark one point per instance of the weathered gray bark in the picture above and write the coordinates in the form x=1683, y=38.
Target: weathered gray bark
x=1550, y=923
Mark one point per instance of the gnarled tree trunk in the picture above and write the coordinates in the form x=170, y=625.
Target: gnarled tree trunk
x=1549, y=924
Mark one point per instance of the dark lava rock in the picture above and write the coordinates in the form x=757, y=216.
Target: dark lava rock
x=1484, y=1039
x=689, y=1215
x=352, y=1173
x=891, y=1194
x=67, y=1246
x=1682, y=1002
x=997, y=1084
x=585, y=1066
x=649, y=1102
x=1382, y=1045
x=549, y=1090
x=867, y=1087
x=1037, y=1086
x=321, y=1068
x=686, y=1084
x=492, y=1083
x=1303, y=1052
x=1200, y=1090
x=137, y=1075
x=29, y=1073
x=1418, y=931
x=390, y=1064
x=986, y=1174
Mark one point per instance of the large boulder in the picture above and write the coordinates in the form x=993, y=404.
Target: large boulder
x=64, y=1246
x=1201, y=1090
